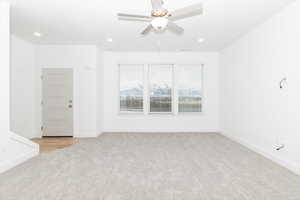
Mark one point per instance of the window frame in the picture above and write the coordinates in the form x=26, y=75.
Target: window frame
x=172, y=66
x=119, y=90
x=202, y=90
x=147, y=86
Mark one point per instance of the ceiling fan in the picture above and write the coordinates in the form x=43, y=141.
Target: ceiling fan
x=161, y=19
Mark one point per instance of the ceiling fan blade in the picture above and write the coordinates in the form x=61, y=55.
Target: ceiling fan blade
x=130, y=17
x=134, y=19
x=189, y=11
x=147, y=30
x=157, y=4
x=175, y=28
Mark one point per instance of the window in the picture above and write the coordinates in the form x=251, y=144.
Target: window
x=131, y=88
x=159, y=87
x=160, y=80
x=189, y=89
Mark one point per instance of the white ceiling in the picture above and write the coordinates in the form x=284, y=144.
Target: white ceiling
x=93, y=21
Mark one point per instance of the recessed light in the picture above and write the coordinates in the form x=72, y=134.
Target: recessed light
x=37, y=34
x=109, y=39
x=200, y=40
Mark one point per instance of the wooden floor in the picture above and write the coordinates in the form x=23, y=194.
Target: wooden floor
x=48, y=144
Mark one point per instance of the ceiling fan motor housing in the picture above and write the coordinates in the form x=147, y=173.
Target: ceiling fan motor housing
x=159, y=13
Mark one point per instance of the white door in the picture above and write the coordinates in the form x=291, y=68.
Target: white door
x=57, y=106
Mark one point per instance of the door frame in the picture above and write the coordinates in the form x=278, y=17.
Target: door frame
x=41, y=96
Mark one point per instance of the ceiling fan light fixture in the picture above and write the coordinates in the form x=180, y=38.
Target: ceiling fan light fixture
x=201, y=40
x=159, y=23
x=37, y=34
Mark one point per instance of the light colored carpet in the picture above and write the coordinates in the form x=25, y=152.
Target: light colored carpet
x=150, y=167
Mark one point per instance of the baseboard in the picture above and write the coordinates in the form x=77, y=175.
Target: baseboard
x=23, y=145
x=100, y=133
x=16, y=161
x=284, y=163
x=159, y=131
x=86, y=135
x=25, y=141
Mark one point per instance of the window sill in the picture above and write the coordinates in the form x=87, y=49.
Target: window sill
x=190, y=113
x=161, y=113
x=131, y=113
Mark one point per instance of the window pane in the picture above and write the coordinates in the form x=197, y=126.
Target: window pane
x=190, y=89
x=160, y=77
x=131, y=88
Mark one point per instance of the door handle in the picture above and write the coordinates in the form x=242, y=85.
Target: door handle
x=70, y=106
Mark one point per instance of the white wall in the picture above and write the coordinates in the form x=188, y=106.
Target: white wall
x=208, y=121
x=22, y=119
x=4, y=73
x=254, y=110
x=83, y=59
x=100, y=88
x=13, y=148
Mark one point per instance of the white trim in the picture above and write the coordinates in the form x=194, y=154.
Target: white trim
x=119, y=88
x=131, y=113
x=99, y=134
x=86, y=134
x=159, y=131
x=23, y=140
x=160, y=113
x=171, y=66
x=287, y=164
x=190, y=113
x=202, y=90
x=146, y=90
x=18, y=159
x=146, y=96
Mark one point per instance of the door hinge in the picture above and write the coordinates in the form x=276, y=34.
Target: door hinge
x=42, y=128
x=42, y=102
